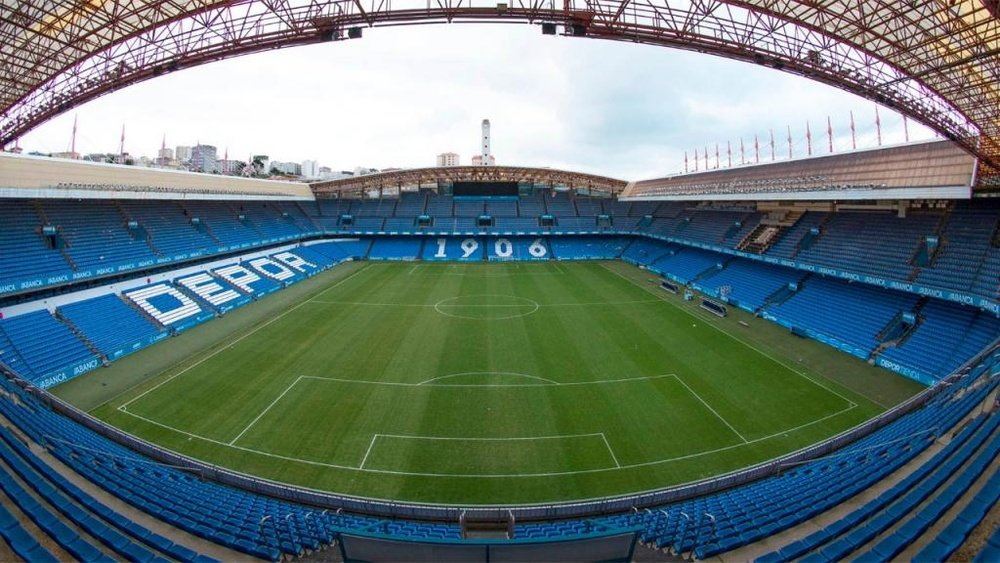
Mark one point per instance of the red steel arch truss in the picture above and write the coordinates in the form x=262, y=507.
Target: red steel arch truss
x=937, y=61
x=430, y=176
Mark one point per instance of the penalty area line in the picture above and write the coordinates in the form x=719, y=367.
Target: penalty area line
x=712, y=323
x=610, y=451
x=375, y=437
x=490, y=439
x=545, y=382
x=368, y=451
x=481, y=476
x=265, y=411
x=715, y=412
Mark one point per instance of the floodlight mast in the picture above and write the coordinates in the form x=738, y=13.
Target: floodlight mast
x=486, y=157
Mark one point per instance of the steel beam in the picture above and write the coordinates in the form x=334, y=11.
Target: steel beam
x=934, y=61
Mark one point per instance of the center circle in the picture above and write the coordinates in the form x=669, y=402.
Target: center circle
x=489, y=307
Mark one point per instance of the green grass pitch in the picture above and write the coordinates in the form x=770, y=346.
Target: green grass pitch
x=485, y=383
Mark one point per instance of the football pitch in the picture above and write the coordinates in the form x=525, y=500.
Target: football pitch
x=500, y=383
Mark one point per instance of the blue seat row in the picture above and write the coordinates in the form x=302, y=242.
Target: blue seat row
x=946, y=336
x=49, y=523
x=23, y=544
x=749, y=283
x=588, y=248
x=871, y=519
x=916, y=525
x=267, y=528
x=109, y=535
x=952, y=537
x=110, y=325
x=746, y=514
x=991, y=551
x=44, y=347
x=395, y=249
x=686, y=264
x=852, y=315
x=50, y=242
x=48, y=350
x=125, y=525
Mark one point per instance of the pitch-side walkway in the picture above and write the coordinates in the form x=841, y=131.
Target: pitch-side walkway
x=176, y=535
x=777, y=541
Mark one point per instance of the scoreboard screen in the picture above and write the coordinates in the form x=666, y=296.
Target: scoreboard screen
x=484, y=189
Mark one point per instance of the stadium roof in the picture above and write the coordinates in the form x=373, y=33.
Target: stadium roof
x=431, y=176
x=34, y=176
x=937, y=61
x=925, y=170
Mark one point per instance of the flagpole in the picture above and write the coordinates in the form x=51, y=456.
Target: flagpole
x=878, y=126
x=809, y=140
x=789, y=141
x=72, y=142
x=829, y=132
x=854, y=136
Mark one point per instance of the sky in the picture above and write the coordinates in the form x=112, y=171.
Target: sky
x=399, y=96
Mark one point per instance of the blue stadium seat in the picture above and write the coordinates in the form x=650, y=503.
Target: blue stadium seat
x=750, y=284
x=588, y=248
x=47, y=350
x=395, y=249
x=110, y=325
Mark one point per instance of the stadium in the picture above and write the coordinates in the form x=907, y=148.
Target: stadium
x=790, y=360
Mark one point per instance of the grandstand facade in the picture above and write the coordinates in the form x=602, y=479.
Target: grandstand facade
x=909, y=285
x=925, y=262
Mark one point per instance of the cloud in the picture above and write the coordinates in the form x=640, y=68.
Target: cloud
x=399, y=96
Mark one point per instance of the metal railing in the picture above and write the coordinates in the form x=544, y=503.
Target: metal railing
x=552, y=511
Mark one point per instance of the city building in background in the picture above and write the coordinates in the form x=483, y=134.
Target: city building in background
x=448, y=159
x=204, y=159
x=310, y=169
x=183, y=153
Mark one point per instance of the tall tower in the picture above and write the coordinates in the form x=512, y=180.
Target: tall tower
x=486, y=143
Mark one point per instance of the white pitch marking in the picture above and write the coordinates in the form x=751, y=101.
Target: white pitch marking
x=488, y=373
x=491, y=439
x=553, y=383
x=368, y=451
x=263, y=412
x=612, y=452
x=371, y=304
x=541, y=305
x=741, y=341
x=550, y=474
x=470, y=269
x=715, y=412
x=529, y=303
x=233, y=343
x=853, y=405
